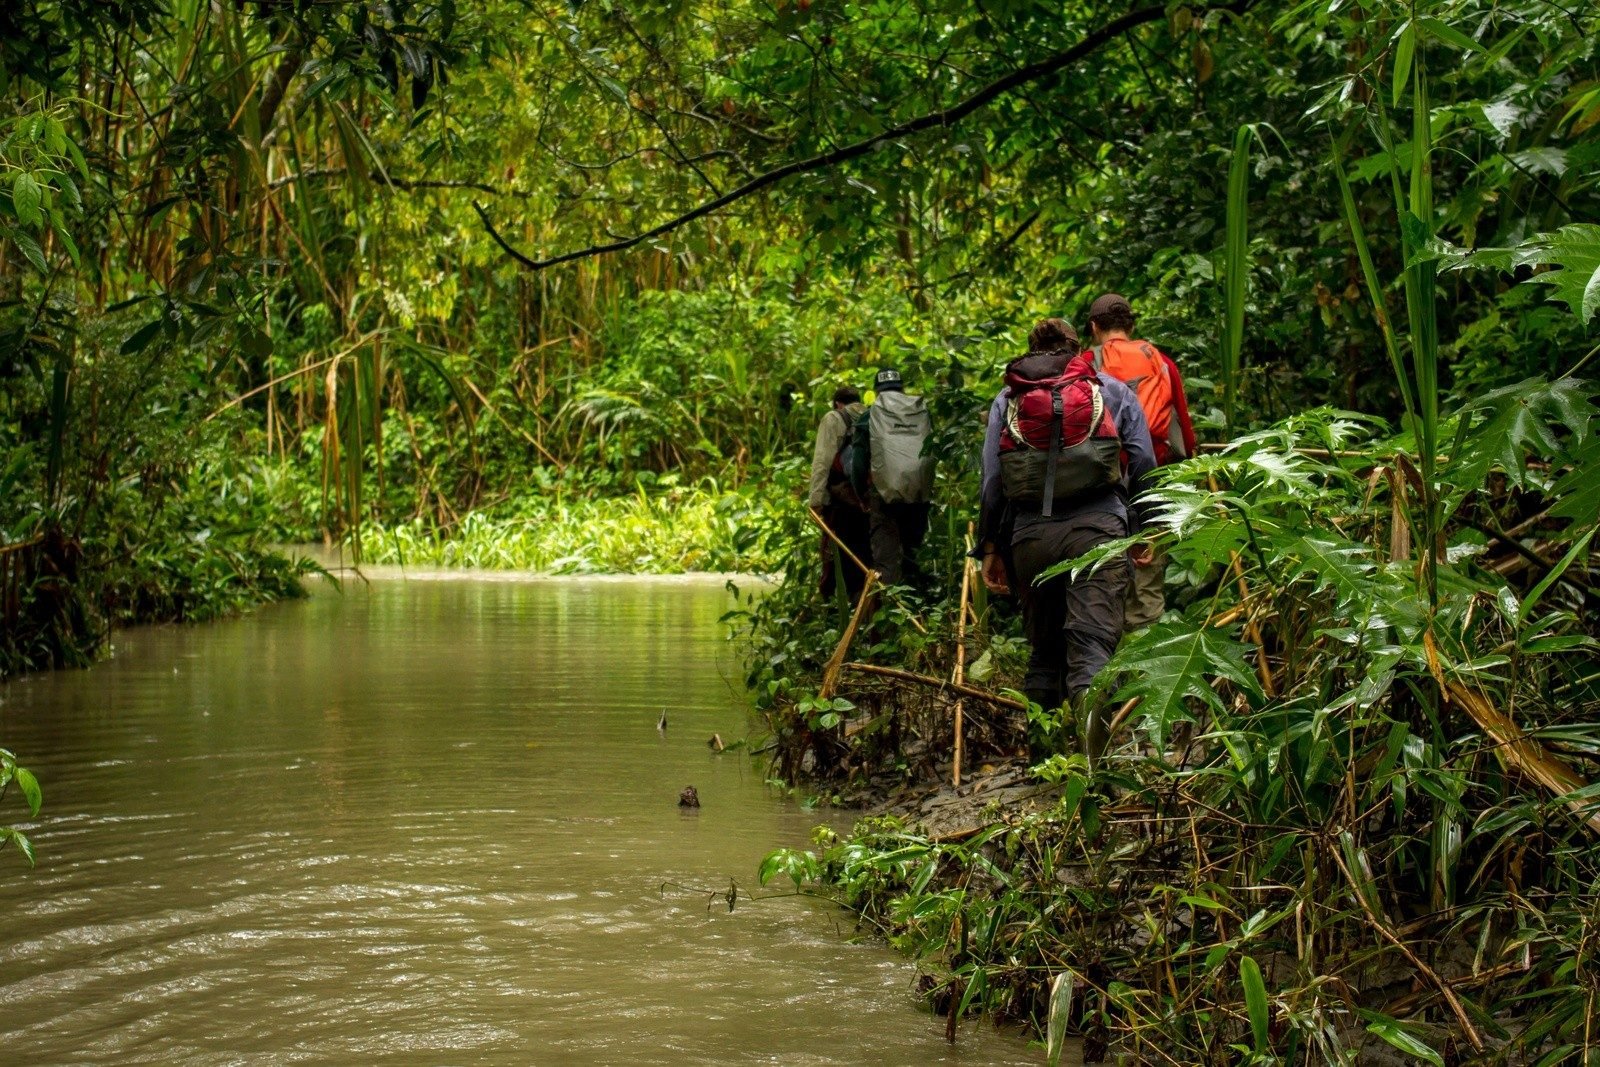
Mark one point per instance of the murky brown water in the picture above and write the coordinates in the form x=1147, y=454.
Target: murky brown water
x=425, y=822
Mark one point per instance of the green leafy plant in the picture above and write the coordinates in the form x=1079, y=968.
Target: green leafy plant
x=11, y=773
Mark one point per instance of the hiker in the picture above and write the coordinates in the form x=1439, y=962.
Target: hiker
x=1065, y=453
x=894, y=475
x=833, y=497
x=1154, y=379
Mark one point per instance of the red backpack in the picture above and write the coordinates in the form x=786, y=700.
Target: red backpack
x=1059, y=440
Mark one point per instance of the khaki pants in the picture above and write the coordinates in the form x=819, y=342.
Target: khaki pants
x=1147, y=597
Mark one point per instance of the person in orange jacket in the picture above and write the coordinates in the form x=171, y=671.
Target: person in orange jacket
x=1154, y=379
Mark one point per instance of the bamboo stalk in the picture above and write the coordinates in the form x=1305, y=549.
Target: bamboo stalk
x=830, y=673
x=1422, y=968
x=937, y=683
x=872, y=575
x=1253, y=629
x=815, y=517
x=20, y=545
x=959, y=676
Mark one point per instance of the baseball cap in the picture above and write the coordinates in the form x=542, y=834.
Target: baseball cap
x=1105, y=305
x=887, y=380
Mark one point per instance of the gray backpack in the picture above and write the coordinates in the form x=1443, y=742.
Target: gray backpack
x=898, y=426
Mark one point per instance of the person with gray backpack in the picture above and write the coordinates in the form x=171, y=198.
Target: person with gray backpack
x=894, y=475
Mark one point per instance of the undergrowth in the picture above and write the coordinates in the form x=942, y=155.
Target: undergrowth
x=1347, y=808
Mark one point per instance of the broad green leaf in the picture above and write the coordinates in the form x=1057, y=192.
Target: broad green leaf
x=18, y=838
x=1546, y=159
x=1574, y=248
x=140, y=339
x=1398, y=1036
x=1525, y=418
x=1577, y=492
x=26, y=198
x=1402, y=60
x=1345, y=566
x=1255, y=999
x=1528, y=602
x=31, y=251
x=1450, y=35
x=1172, y=663
x=30, y=789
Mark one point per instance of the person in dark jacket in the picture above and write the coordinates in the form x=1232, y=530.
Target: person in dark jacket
x=835, y=502
x=1072, y=624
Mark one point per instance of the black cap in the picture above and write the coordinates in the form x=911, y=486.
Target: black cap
x=1105, y=305
x=888, y=381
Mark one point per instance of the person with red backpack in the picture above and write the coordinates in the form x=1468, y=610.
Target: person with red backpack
x=834, y=499
x=1064, y=457
x=1154, y=379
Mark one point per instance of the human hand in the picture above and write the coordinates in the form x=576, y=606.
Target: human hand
x=994, y=574
x=1142, y=554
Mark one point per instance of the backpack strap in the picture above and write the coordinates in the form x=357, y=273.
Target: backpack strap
x=1099, y=358
x=1055, y=452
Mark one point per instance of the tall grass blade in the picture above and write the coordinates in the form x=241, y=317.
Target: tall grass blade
x=1061, y=988
x=1369, y=273
x=1236, y=272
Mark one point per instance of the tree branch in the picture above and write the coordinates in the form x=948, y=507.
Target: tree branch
x=408, y=184
x=936, y=119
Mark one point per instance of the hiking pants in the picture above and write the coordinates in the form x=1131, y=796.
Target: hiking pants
x=897, y=533
x=1147, y=594
x=1073, y=624
x=850, y=523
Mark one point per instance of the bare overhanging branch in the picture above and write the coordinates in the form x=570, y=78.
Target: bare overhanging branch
x=947, y=117
x=386, y=180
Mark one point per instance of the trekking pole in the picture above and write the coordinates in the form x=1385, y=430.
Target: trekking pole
x=960, y=675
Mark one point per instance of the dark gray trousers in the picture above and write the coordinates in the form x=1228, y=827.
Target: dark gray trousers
x=1073, y=624
x=897, y=533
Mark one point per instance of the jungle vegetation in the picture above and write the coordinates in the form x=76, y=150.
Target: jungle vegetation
x=567, y=285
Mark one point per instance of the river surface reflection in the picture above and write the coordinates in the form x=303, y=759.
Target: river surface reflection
x=426, y=822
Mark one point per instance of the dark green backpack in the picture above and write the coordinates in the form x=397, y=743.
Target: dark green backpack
x=855, y=455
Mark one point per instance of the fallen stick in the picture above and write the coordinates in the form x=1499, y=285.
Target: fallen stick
x=830, y=673
x=1515, y=748
x=937, y=683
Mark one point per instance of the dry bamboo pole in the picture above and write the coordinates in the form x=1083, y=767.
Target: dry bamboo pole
x=830, y=673
x=1422, y=968
x=959, y=676
x=872, y=575
x=816, y=517
x=1253, y=629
